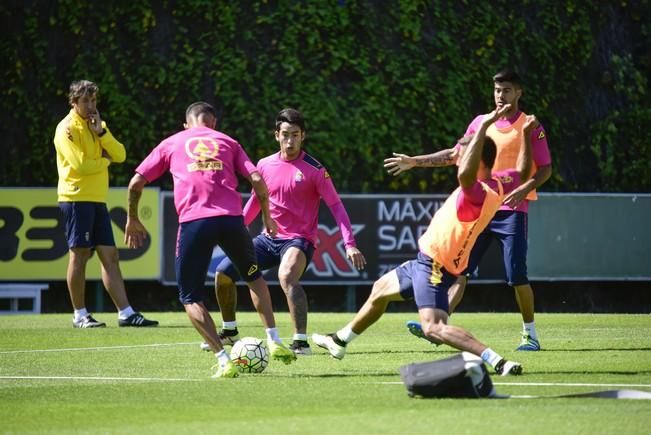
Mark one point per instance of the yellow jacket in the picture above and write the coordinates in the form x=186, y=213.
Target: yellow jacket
x=83, y=172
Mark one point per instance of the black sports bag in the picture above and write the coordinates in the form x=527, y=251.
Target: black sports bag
x=461, y=375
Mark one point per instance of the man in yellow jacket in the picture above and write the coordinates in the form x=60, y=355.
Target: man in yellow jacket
x=85, y=148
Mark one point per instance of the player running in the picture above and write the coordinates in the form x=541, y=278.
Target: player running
x=297, y=182
x=204, y=164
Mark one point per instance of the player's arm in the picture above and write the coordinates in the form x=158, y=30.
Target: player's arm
x=469, y=162
x=400, y=163
x=326, y=190
x=69, y=147
x=525, y=160
x=134, y=231
x=528, y=182
x=343, y=221
x=111, y=148
x=251, y=209
x=262, y=193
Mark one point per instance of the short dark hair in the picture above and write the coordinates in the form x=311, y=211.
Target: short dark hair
x=489, y=152
x=290, y=116
x=198, y=108
x=508, y=75
x=79, y=88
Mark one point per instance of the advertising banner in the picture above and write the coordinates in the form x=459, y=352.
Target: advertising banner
x=386, y=227
x=571, y=236
x=33, y=242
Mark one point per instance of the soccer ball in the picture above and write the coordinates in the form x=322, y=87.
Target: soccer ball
x=249, y=354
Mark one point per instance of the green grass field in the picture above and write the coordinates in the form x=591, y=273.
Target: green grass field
x=56, y=379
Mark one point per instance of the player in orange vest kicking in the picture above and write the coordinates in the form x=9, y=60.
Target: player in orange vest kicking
x=444, y=251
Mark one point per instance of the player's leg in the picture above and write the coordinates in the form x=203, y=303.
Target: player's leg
x=196, y=240
x=431, y=283
x=435, y=326
x=235, y=241
x=513, y=236
x=386, y=289
x=392, y=286
x=294, y=257
x=291, y=268
x=455, y=294
x=76, y=276
x=111, y=275
x=76, y=280
x=78, y=218
x=226, y=292
x=457, y=289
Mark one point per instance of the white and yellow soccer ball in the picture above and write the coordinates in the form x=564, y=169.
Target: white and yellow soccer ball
x=249, y=354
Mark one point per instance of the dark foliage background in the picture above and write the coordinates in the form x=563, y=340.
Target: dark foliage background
x=371, y=78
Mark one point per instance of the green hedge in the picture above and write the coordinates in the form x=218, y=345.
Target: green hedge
x=371, y=78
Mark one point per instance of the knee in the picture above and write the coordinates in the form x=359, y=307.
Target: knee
x=80, y=256
x=434, y=330
x=378, y=295
x=288, y=283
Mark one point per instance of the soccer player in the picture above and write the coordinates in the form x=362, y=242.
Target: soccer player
x=204, y=164
x=85, y=148
x=297, y=182
x=509, y=226
x=444, y=252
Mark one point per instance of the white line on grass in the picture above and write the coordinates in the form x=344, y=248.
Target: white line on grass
x=74, y=349
x=562, y=384
x=549, y=384
x=100, y=378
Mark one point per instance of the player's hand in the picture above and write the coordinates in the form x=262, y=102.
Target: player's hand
x=530, y=124
x=106, y=155
x=516, y=196
x=356, y=257
x=270, y=226
x=399, y=163
x=95, y=122
x=496, y=114
x=134, y=233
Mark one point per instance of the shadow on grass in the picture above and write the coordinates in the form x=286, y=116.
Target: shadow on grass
x=587, y=372
x=391, y=374
x=432, y=352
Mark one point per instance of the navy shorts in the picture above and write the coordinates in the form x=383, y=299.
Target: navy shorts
x=426, y=282
x=269, y=252
x=88, y=224
x=510, y=229
x=195, y=244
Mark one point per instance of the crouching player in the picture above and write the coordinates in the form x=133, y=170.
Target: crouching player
x=444, y=251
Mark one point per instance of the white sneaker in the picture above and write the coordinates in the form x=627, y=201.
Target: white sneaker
x=87, y=322
x=227, y=336
x=329, y=343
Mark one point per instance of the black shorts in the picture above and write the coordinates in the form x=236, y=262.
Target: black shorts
x=269, y=252
x=426, y=282
x=88, y=224
x=195, y=243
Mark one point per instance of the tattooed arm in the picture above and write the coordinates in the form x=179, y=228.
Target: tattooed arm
x=400, y=163
x=135, y=232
